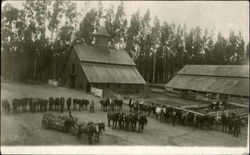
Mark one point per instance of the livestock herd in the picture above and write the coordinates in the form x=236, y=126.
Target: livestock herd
x=128, y=122
x=43, y=104
x=230, y=123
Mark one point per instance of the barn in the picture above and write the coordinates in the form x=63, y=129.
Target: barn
x=222, y=81
x=101, y=67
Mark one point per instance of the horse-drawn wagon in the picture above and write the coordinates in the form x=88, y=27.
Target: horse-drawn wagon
x=59, y=122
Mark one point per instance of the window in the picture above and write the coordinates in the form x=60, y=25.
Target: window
x=108, y=85
x=119, y=86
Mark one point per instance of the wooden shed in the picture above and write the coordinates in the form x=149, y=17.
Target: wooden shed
x=227, y=81
x=101, y=67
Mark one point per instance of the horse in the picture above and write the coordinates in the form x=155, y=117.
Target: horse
x=57, y=103
x=62, y=103
x=99, y=127
x=85, y=104
x=114, y=117
x=104, y=104
x=121, y=120
x=158, y=112
x=89, y=129
x=15, y=105
x=75, y=102
x=6, y=106
x=133, y=121
x=119, y=104
x=142, y=121
x=127, y=121
x=51, y=103
x=24, y=103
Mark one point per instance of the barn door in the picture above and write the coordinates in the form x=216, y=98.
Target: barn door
x=88, y=87
x=72, y=81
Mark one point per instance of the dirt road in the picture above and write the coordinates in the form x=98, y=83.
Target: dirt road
x=25, y=128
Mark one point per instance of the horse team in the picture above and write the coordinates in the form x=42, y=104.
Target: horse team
x=91, y=129
x=111, y=104
x=127, y=122
x=230, y=124
x=43, y=105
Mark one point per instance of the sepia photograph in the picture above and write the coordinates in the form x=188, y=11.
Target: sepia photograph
x=124, y=77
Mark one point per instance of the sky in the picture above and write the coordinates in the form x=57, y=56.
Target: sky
x=219, y=16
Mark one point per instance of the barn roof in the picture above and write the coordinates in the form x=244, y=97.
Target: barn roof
x=226, y=79
x=102, y=55
x=106, y=73
x=216, y=70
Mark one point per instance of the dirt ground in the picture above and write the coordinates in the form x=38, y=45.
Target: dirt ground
x=25, y=128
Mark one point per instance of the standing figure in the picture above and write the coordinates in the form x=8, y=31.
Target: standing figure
x=173, y=117
x=68, y=103
x=62, y=104
x=130, y=104
x=92, y=106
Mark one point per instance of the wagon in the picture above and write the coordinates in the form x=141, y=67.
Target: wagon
x=59, y=122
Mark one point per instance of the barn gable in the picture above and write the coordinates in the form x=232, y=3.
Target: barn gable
x=101, y=66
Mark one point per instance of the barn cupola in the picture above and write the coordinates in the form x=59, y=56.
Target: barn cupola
x=101, y=37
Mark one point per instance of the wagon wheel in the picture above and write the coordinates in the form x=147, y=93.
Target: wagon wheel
x=45, y=124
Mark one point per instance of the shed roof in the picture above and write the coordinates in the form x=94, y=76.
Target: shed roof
x=102, y=55
x=216, y=70
x=227, y=79
x=104, y=73
x=233, y=86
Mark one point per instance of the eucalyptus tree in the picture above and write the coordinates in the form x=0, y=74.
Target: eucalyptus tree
x=9, y=19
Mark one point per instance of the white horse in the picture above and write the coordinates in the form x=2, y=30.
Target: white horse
x=159, y=112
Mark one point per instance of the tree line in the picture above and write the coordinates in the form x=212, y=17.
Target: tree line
x=37, y=39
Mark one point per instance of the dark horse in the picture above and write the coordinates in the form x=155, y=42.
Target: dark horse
x=114, y=117
x=6, y=106
x=133, y=121
x=142, y=121
x=99, y=128
x=104, y=104
x=88, y=129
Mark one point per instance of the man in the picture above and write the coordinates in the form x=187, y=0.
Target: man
x=68, y=103
x=110, y=102
x=92, y=106
x=223, y=120
x=130, y=104
x=173, y=117
x=62, y=103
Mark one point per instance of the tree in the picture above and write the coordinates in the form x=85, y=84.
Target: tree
x=220, y=49
x=87, y=26
x=165, y=44
x=119, y=27
x=155, y=43
x=8, y=40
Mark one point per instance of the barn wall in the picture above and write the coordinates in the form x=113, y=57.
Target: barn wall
x=80, y=78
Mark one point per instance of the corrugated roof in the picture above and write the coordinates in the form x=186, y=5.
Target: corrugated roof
x=103, y=55
x=103, y=73
x=216, y=70
x=229, y=85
